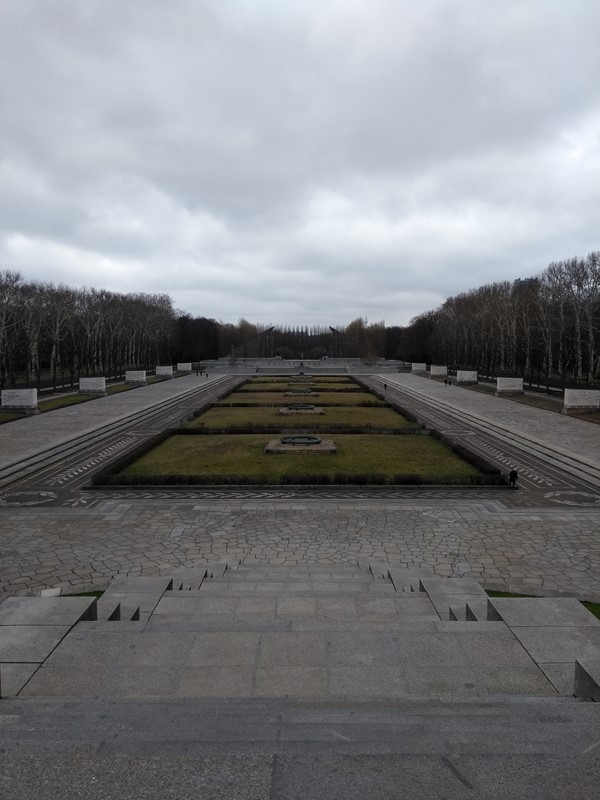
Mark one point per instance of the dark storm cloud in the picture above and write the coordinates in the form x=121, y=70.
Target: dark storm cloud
x=297, y=162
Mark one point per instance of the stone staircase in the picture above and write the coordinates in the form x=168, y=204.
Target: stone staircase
x=373, y=632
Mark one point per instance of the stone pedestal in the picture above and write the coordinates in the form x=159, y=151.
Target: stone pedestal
x=508, y=386
x=418, y=367
x=22, y=400
x=466, y=376
x=437, y=370
x=95, y=386
x=581, y=400
x=164, y=372
x=135, y=376
x=184, y=367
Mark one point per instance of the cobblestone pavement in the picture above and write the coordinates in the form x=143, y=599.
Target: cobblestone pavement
x=523, y=550
x=544, y=538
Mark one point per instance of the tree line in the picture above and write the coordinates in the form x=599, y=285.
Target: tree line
x=545, y=328
x=59, y=333
x=54, y=334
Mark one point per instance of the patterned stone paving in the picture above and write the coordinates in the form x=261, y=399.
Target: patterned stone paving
x=524, y=550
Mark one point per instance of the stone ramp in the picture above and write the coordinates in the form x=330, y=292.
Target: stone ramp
x=327, y=634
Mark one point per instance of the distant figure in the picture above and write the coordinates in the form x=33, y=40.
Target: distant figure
x=206, y=374
x=385, y=387
x=513, y=477
x=445, y=381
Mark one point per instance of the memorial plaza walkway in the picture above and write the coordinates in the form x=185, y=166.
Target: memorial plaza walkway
x=543, y=537
x=286, y=644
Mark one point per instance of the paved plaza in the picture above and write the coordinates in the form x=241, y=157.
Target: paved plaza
x=285, y=643
x=543, y=537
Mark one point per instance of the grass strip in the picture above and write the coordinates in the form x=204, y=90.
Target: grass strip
x=360, y=458
x=228, y=417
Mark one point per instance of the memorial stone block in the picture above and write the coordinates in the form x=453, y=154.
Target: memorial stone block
x=165, y=372
x=92, y=386
x=466, y=376
x=135, y=376
x=581, y=399
x=418, y=367
x=509, y=386
x=184, y=367
x=19, y=400
x=436, y=369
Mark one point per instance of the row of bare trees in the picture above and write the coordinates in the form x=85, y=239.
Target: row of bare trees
x=545, y=328
x=51, y=334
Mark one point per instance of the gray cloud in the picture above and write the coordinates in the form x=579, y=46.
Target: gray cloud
x=301, y=163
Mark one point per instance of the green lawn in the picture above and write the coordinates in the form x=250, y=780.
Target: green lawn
x=9, y=416
x=291, y=378
x=277, y=398
x=223, y=417
x=383, y=458
x=289, y=387
x=63, y=402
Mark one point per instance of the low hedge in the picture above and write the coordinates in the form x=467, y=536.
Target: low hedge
x=342, y=479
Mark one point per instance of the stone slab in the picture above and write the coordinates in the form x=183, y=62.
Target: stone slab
x=125, y=648
x=466, y=376
x=283, y=650
x=184, y=366
x=308, y=682
x=164, y=371
x=561, y=675
x=146, y=602
x=65, y=682
x=135, y=376
x=92, y=386
x=509, y=386
x=14, y=676
x=541, y=611
x=587, y=679
x=231, y=649
x=19, y=399
x=46, y=610
x=438, y=369
x=29, y=643
x=581, y=398
x=418, y=367
x=222, y=682
x=138, y=585
x=552, y=645
x=457, y=586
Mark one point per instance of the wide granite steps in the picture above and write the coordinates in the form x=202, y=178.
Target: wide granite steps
x=372, y=632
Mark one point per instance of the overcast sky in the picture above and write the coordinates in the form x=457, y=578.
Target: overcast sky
x=297, y=161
